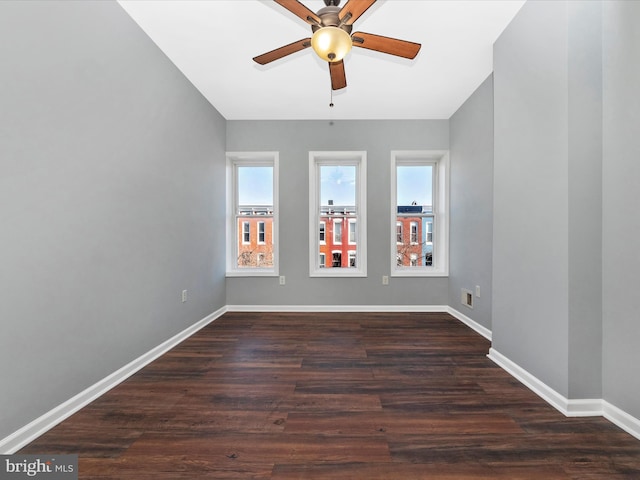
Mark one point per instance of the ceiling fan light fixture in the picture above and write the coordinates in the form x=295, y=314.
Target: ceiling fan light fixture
x=331, y=43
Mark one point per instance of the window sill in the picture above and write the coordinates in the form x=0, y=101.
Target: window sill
x=252, y=273
x=419, y=272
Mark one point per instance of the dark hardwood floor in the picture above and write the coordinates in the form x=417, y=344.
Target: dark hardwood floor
x=334, y=396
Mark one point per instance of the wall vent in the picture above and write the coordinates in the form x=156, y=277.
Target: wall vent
x=467, y=298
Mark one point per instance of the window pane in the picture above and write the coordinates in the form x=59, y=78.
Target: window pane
x=338, y=185
x=414, y=196
x=255, y=216
x=414, y=185
x=255, y=186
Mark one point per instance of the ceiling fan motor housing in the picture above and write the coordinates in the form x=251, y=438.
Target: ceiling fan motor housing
x=329, y=18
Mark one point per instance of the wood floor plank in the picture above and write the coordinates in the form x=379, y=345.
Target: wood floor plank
x=368, y=396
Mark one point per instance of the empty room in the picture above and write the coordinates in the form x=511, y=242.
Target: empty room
x=319, y=239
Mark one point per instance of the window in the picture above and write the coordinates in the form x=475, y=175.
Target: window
x=337, y=202
x=246, y=233
x=252, y=213
x=337, y=231
x=414, y=233
x=323, y=260
x=419, y=188
x=352, y=232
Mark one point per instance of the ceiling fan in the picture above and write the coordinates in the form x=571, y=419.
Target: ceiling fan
x=332, y=38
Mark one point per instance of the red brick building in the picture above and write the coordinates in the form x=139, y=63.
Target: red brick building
x=337, y=237
x=255, y=237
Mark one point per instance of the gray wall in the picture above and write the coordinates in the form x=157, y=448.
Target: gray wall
x=471, y=227
x=530, y=249
x=547, y=250
x=585, y=198
x=111, y=201
x=294, y=140
x=621, y=187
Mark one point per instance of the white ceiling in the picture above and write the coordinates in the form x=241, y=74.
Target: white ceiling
x=213, y=42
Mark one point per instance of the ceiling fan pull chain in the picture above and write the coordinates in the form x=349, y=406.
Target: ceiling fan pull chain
x=331, y=97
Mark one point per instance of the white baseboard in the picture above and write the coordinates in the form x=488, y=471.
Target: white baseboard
x=484, y=331
x=622, y=419
x=338, y=308
x=53, y=417
x=590, y=407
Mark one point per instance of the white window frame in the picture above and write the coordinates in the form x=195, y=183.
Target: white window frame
x=401, y=232
x=322, y=228
x=345, y=158
x=264, y=233
x=249, y=159
x=322, y=260
x=440, y=233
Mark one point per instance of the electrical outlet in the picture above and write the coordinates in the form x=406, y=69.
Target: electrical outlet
x=282, y=280
x=385, y=280
x=184, y=296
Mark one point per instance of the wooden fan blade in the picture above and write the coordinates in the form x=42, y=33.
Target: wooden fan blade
x=392, y=46
x=353, y=9
x=299, y=10
x=338, y=77
x=282, y=51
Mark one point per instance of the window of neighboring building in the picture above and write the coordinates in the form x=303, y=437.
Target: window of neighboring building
x=337, y=231
x=419, y=188
x=352, y=259
x=323, y=260
x=414, y=233
x=252, y=198
x=246, y=233
x=337, y=199
x=352, y=232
